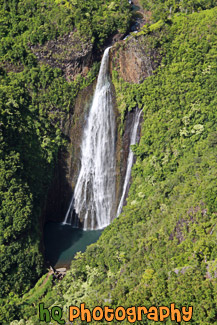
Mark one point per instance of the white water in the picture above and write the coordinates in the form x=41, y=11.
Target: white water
x=94, y=194
x=129, y=161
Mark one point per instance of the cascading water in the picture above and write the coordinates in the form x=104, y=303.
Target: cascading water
x=129, y=160
x=94, y=195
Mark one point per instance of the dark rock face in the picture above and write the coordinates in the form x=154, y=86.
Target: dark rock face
x=134, y=63
x=68, y=163
x=122, y=152
x=134, y=60
x=71, y=53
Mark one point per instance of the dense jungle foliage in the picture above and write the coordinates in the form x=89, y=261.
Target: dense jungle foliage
x=162, y=9
x=28, y=22
x=35, y=100
x=162, y=248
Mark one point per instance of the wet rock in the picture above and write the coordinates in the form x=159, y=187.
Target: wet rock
x=68, y=163
x=134, y=60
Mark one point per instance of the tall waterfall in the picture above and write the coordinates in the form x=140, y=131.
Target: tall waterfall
x=94, y=195
x=129, y=160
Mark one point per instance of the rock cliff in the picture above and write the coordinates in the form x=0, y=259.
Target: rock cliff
x=134, y=62
x=71, y=53
x=66, y=170
x=134, y=59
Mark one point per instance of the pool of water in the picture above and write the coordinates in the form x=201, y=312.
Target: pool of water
x=62, y=242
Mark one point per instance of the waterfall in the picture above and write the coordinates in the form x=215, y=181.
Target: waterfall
x=129, y=160
x=94, y=195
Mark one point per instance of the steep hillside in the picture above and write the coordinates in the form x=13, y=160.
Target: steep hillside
x=36, y=102
x=166, y=8
x=162, y=248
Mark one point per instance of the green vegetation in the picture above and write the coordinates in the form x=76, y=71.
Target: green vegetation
x=33, y=104
x=35, y=101
x=26, y=23
x=162, y=9
x=162, y=249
